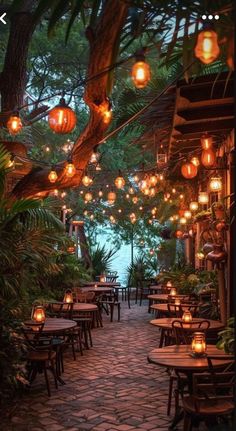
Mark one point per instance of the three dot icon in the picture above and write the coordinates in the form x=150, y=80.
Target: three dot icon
x=210, y=17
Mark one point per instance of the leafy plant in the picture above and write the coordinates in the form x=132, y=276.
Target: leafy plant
x=139, y=271
x=227, y=337
x=101, y=259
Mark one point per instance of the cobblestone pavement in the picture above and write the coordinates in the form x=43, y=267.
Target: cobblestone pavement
x=112, y=387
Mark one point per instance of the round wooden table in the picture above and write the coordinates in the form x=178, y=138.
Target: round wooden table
x=77, y=306
x=101, y=284
x=163, y=308
x=53, y=325
x=98, y=290
x=179, y=358
x=162, y=297
x=165, y=324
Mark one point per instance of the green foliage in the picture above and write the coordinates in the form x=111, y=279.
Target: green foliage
x=101, y=259
x=227, y=337
x=139, y=271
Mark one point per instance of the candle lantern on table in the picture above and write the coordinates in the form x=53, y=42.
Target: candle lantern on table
x=199, y=344
x=169, y=284
x=173, y=291
x=103, y=278
x=68, y=297
x=38, y=314
x=187, y=316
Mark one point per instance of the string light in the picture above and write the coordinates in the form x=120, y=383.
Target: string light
x=70, y=169
x=195, y=161
x=14, y=124
x=87, y=180
x=52, y=176
x=206, y=141
x=140, y=73
x=88, y=196
x=203, y=198
x=187, y=214
x=193, y=206
x=120, y=181
x=111, y=197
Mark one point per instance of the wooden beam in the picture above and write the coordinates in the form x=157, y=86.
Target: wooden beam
x=209, y=90
x=218, y=125
x=204, y=112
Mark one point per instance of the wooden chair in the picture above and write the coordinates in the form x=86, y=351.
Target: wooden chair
x=40, y=355
x=212, y=397
x=181, y=335
x=108, y=303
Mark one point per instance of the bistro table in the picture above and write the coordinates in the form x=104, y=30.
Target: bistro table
x=179, y=358
x=109, y=284
x=163, y=308
x=161, y=297
x=53, y=325
x=165, y=324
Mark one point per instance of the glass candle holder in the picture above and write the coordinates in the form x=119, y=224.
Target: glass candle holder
x=38, y=314
x=187, y=317
x=169, y=284
x=68, y=297
x=173, y=291
x=102, y=278
x=199, y=344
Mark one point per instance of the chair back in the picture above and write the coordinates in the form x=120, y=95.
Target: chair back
x=111, y=277
x=216, y=388
x=174, y=310
x=85, y=297
x=183, y=332
x=76, y=291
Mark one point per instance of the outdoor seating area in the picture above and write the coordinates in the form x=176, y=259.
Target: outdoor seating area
x=117, y=215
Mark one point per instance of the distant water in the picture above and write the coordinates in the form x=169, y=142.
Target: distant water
x=121, y=259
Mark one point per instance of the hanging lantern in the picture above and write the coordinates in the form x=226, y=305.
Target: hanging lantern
x=189, y=170
x=131, y=190
x=14, y=124
x=70, y=169
x=119, y=210
x=193, y=206
x=206, y=141
x=62, y=119
x=111, y=197
x=187, y=214
x=52, y=176
x=215, y=184
x=207, y=49
x=153, y=180
x=120, y=181
x=152, y=192
x=140, y=73
x=199, y=344
x=161, y=157
x=195, y=161
x=38, y=314
x=208, y=158
x=94, y=156
x=87, y=180
x=179, y=234
x=88, y=196
x=135, y=199
x=200, y=255
x=68, y=297
x=112, y=219
x=133, y=218
x=203, y=198
x=182, y=220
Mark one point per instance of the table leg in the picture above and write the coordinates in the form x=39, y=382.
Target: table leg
x=162, y=337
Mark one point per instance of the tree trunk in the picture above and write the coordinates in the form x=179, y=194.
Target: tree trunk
x=103, y=40
x=14, y=74
x=84, y=247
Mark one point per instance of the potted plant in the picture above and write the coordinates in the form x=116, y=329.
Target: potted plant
x=226, y=341
x=218, y=211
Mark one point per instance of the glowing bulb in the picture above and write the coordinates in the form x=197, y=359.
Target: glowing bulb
x=52, y=176
x=70, y=169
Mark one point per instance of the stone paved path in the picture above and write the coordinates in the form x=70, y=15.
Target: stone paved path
x=111, y=387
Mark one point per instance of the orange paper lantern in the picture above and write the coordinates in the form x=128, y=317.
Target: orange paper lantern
x=62, y=119
x=208, y=158
x=207, y=49
x=189, y=170
x=14, y=124
x=141, y=74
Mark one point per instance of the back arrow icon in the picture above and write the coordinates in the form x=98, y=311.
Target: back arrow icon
x=2, y=18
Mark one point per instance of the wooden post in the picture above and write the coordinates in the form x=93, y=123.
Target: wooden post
x=222, y=293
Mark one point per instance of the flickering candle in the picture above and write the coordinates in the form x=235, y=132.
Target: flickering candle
x=68, y=297
x=187, y=317
x=199, y=344
x=169, y=284
x=173, y=291
x=38, y=314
